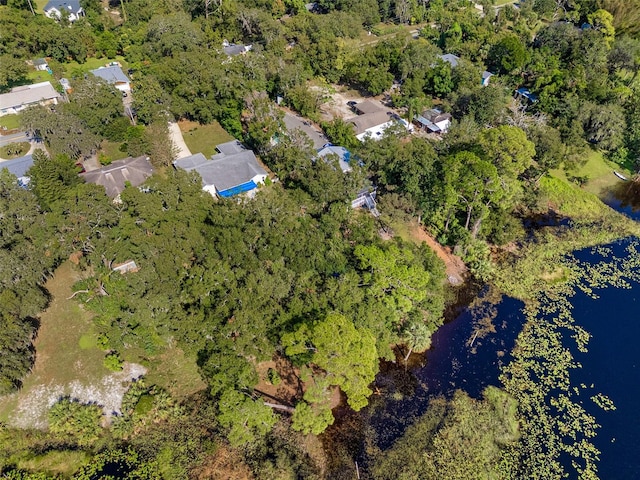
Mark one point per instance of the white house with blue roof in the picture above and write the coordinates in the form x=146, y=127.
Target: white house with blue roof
x=342, y=154
x=232, y=171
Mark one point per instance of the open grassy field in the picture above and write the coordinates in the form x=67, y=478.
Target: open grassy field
x=69, y=362
x=75, y=69
x=60, y=362
x=598, y=171
x=10, y=122
x=203, y=138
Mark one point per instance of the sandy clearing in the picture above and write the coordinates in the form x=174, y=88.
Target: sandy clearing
x=108, y=392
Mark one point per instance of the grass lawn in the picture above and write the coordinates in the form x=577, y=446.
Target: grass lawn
x=14, y=150
x=56, y=462
x=37, y=76
x=203, y=138
x=175, y=372
x=75, y=69
x=599, y=172
x=10, y=122
x=69, y=362
x=110, y=150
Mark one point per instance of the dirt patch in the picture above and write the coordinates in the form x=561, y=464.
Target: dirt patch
x=336, y=106
x=31, y=411
x=285, y=388
x=176, y=137
x=455, y=268
x=225, y=464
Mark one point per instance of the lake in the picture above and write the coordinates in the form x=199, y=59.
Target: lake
x=459, y=359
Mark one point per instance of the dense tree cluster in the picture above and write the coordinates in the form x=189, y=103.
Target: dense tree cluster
x=294, y=273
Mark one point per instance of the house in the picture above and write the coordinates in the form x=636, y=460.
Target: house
x=115, y=176
x=486, y=76
x=341, y=153
x=454, y=61
x=55, y=8
x=19, y=167
x=433, y=121
x=232, y=49
x=525, y=95
x=40, y=64
x=363, y=108
x=232, y=171
x=372, y=120
x=371, y=125
x=451, y=59
x=113, y=75
x=25, y=96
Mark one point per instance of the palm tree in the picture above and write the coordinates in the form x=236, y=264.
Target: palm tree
x=417, y=337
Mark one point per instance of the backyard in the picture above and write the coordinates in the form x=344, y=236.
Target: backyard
x=203, y=138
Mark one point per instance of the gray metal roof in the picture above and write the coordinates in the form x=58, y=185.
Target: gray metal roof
x=451, y=59
x=69, y=5
x=232, y=50
x=40, y=61
x=233, y=166
x=112, y=74
x=27, y=95
x=18, y=166
x=113, y=177
x=342, y=153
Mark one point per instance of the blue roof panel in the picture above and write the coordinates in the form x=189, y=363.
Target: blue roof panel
x=245, y=187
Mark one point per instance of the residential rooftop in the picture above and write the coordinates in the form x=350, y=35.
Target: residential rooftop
x=112, y=74
x=233, y=167
x=114, y=177
x=27, y=95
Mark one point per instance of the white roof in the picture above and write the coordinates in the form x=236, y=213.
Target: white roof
x=28, y=95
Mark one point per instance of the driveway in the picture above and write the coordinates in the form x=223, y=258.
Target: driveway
x=176, y=137
x=293, y=122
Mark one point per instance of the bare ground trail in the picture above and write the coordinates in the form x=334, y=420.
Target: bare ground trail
x=455, y=268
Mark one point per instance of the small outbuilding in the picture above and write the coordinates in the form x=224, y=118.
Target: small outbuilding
x=433, y=121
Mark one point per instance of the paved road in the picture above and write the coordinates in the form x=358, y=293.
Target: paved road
x=13, y=138
x=292, y=122
x=176, y=136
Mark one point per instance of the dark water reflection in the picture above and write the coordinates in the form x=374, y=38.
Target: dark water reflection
x=466, y=354
x=459, y=359
x=625, y=198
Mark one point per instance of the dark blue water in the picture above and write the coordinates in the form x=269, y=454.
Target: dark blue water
x=457, y=360
x=612, y=365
